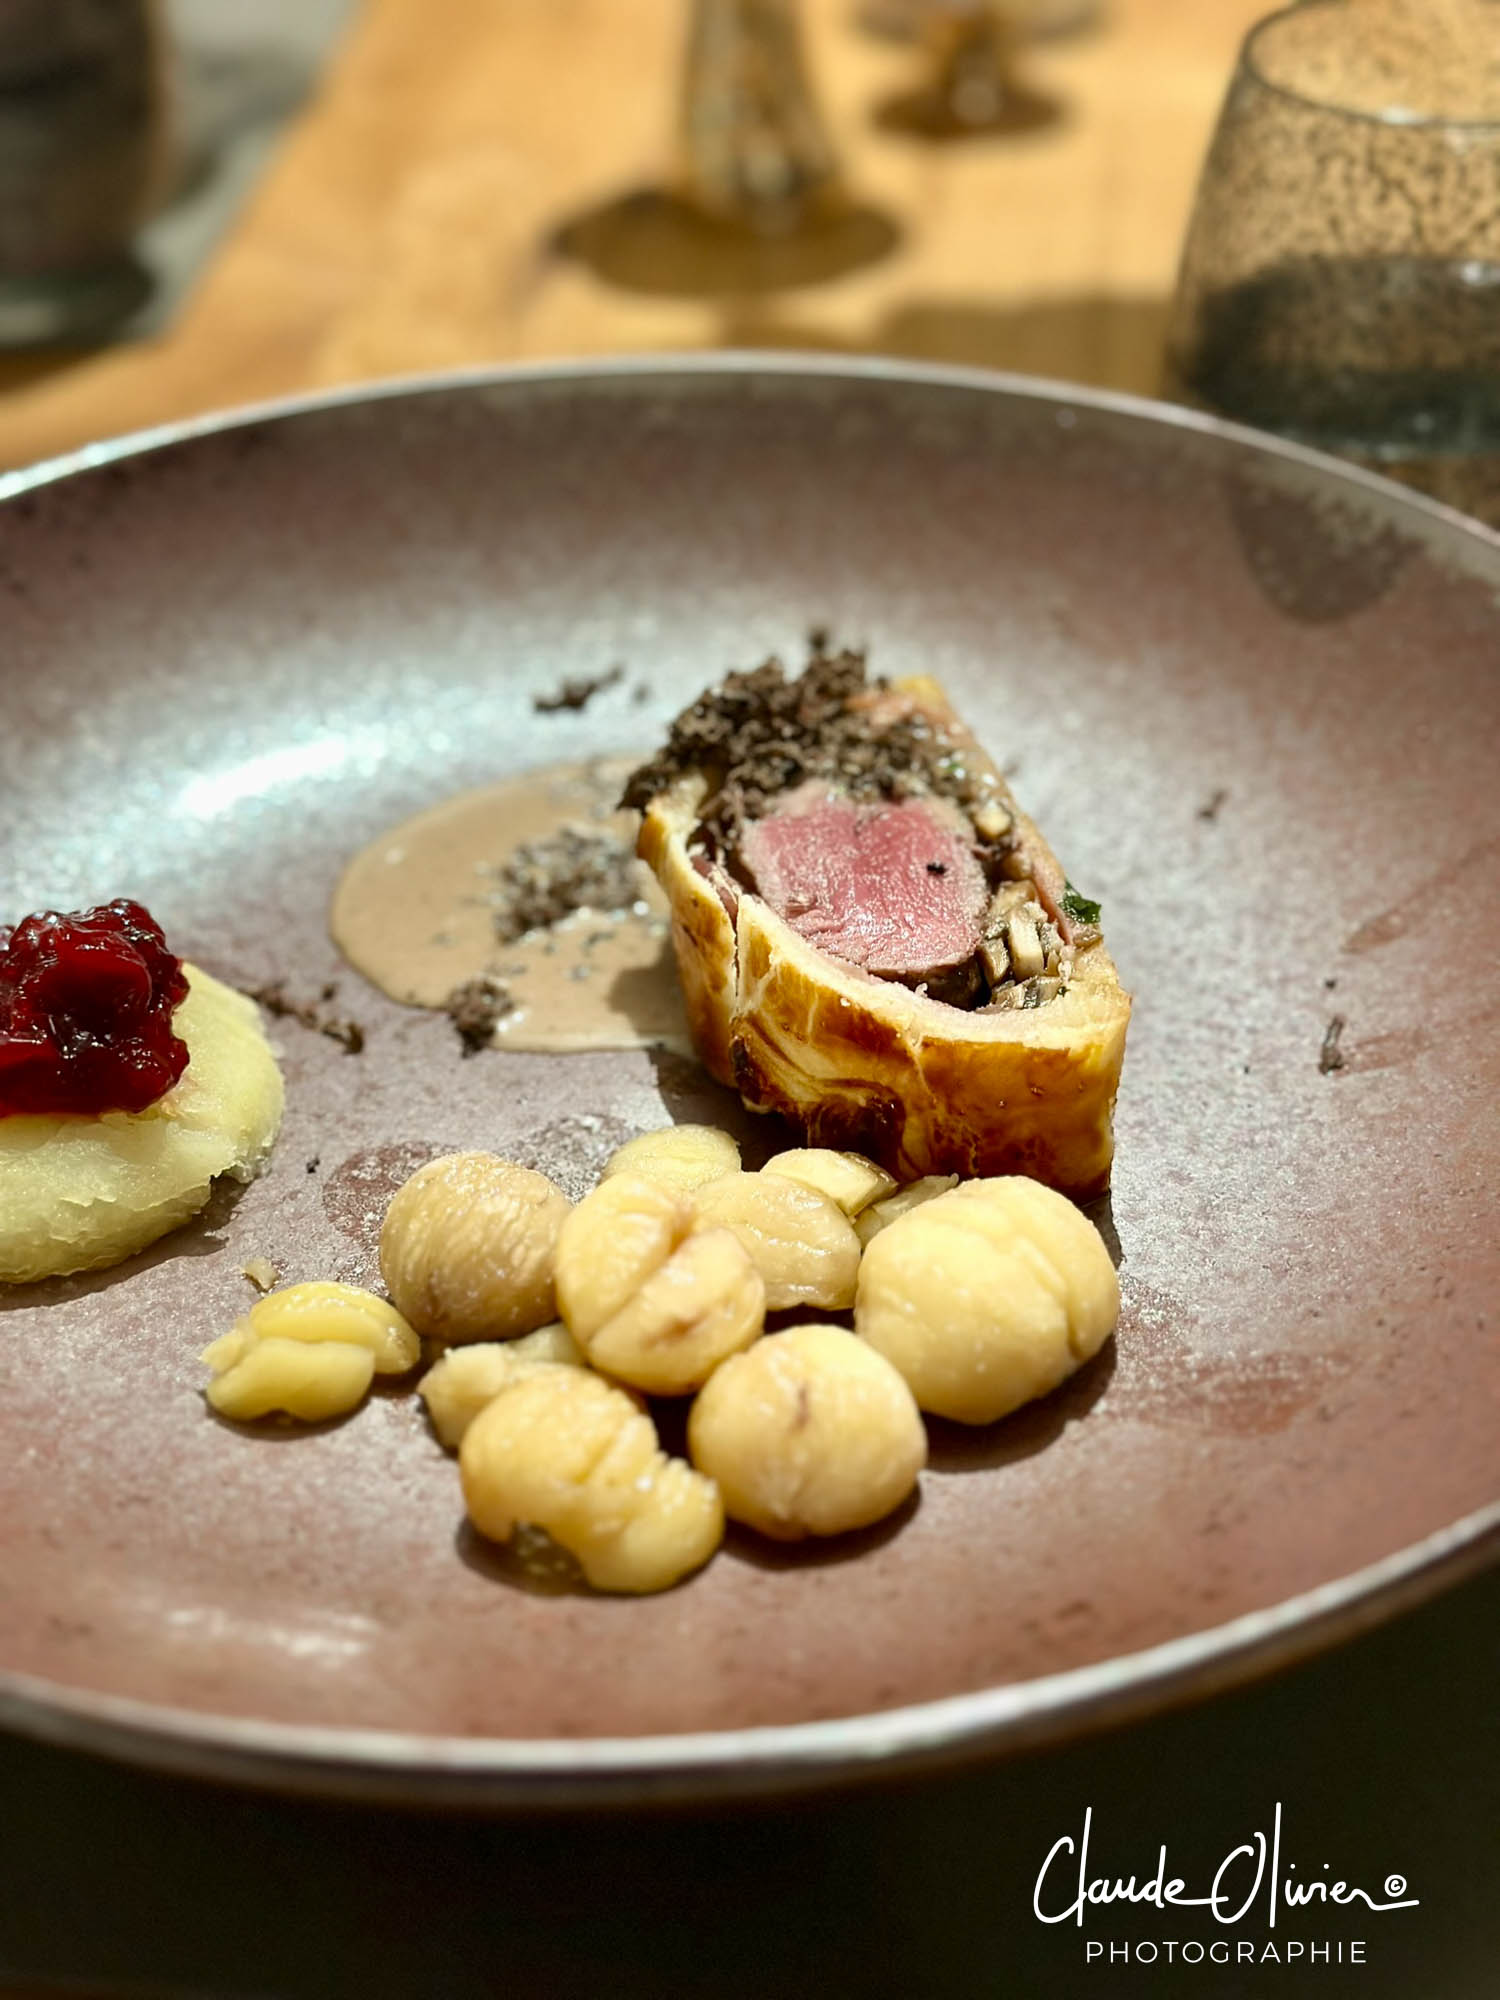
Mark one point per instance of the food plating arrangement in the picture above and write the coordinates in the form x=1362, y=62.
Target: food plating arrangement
x=871, y=945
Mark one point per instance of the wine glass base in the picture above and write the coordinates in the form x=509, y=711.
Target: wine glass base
x=657, y=242
x=1035, y=20
x=71, y=307
x=978, y=111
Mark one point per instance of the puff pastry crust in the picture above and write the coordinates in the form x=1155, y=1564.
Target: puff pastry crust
x=870, y=1064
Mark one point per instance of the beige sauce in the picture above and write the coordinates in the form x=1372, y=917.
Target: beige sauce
x=414, y=912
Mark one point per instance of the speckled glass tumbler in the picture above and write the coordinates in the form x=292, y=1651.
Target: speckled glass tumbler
x=1341, y=278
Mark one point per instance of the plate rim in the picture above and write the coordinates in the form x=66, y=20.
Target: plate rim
x=723, y=1766
x=744, y=362
x=400, y=1767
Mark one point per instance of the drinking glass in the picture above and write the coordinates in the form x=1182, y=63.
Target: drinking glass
x=754, y=147
x=1340, y=283
x=81, y=151
x=974, y=83
x=757, y=202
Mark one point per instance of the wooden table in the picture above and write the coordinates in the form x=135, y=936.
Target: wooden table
x=405, y=223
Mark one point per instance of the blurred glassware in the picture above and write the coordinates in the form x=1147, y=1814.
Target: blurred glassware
x=82, y=121
x=755, y=151
x=973, y=86
x=1340, y=283
x=909, y=20
x=756, y=202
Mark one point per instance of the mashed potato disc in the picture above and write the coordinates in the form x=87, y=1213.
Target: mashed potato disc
x=78, y=1193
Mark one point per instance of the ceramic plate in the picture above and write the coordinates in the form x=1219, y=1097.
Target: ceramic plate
x=1254, y=701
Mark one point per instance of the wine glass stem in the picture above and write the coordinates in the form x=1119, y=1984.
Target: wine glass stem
x=755, y=148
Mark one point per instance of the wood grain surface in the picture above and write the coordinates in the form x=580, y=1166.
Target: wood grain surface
x=411, y=218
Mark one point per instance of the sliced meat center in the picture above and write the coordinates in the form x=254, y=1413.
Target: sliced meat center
x=895, y=889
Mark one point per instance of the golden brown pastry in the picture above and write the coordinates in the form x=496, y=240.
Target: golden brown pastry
x=873, y=939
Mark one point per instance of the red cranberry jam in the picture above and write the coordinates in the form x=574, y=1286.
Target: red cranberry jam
x=86, y=1005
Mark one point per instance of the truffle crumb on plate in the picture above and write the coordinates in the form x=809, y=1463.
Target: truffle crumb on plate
x=274, y=998
x=577, y=691
x=475, y=1008
x=575, y=868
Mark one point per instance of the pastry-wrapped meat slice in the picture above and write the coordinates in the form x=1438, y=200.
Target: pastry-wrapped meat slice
x=873, y=939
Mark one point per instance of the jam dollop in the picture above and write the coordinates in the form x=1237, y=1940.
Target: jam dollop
x=86, y=1005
